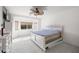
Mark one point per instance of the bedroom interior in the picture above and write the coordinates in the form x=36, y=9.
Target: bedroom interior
x=39, y=29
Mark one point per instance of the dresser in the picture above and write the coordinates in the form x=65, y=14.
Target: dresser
x=5, y=42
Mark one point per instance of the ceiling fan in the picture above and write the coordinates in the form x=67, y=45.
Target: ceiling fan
x=37, y=10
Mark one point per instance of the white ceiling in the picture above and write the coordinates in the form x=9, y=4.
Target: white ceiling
x=19, y=10
x=24, y=10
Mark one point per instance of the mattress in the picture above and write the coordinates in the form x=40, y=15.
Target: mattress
x=46, y=33
x=49, y=35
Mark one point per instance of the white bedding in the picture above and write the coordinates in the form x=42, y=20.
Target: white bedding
x=46, y=32
x=44, y=37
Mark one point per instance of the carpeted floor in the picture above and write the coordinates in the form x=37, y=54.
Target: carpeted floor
x=25, y=45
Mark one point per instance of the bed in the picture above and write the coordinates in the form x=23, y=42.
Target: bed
x=43, y=38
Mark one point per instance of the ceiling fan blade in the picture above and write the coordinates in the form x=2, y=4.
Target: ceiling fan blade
x=31, y=12
x=41, y=12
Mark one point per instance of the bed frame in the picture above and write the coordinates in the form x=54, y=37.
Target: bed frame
x=40, y=40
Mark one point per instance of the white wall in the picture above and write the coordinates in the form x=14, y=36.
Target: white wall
x=69, y=18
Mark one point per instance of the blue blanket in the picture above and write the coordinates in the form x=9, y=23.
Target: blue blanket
x=46, y=32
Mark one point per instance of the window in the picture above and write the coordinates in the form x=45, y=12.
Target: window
x=26, y=25
x=23, y=26
x=29, y=26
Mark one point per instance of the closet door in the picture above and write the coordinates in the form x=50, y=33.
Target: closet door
x=37, y=25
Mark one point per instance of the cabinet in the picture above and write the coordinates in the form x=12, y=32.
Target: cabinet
x=6, y=42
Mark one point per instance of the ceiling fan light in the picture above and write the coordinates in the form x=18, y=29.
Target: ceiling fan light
x=37, y=10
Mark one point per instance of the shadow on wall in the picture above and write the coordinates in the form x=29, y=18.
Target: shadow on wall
x=71, y=39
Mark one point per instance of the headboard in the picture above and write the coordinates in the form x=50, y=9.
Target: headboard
x=57, y=27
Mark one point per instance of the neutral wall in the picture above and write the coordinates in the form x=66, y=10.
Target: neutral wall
x=69, y=18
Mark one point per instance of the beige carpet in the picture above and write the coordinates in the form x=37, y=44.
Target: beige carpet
x=25, y=45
